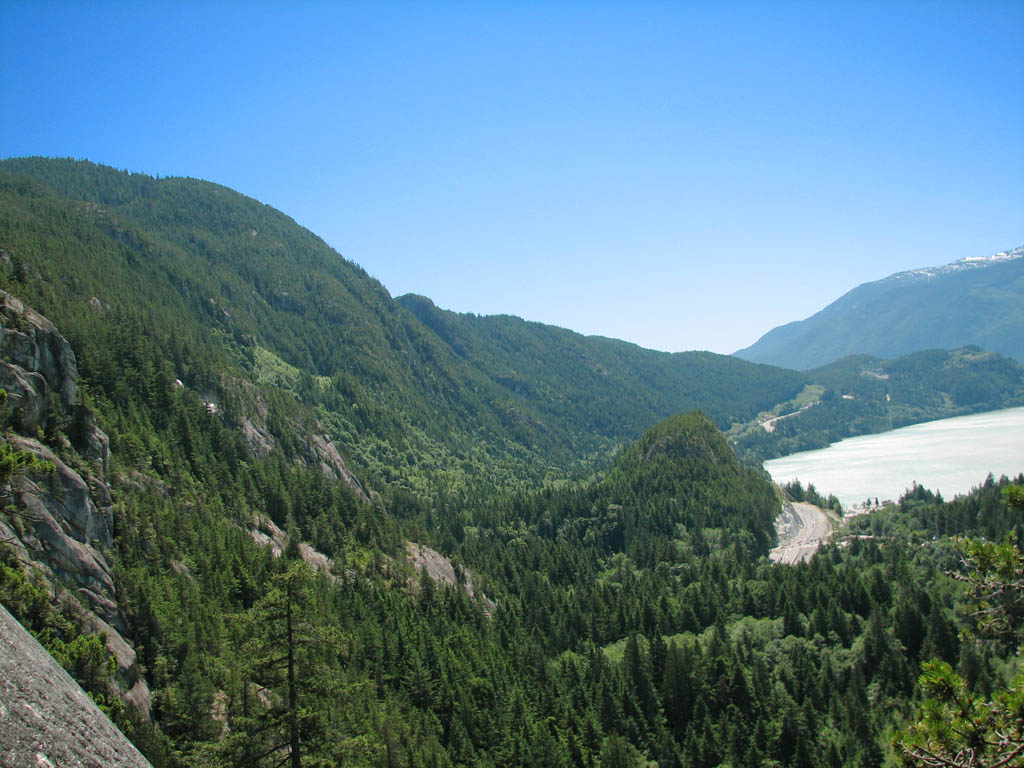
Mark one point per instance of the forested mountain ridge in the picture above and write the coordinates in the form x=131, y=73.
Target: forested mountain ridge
x=635, y=618
x=603, y=381
x=248, y=291
x=974, y=301
x=407, y=393
x=854, y=396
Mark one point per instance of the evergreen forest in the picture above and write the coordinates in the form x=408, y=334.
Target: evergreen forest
x=352, y=530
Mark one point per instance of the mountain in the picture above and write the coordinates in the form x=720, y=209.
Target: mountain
x=265, y=514
x=299, y=349
x=975, y=301
x=400, y=388
x=600, y=385
x=605, y=378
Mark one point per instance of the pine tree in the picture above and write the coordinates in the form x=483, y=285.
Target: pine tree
x=276, y=724
x=957, y=726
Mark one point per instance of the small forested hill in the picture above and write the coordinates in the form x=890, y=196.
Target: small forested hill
x=680, y=489
x=974, y=301
x=683, y=476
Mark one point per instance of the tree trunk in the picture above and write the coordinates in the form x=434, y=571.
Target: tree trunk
x=293, y=705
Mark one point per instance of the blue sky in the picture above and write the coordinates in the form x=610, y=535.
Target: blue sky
x=680, y=175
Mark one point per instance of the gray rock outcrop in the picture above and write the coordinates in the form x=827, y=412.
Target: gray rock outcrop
x=267, y=534
x=39, y=372
x=334, y=467
x=46, y=719
x=442, y=571
x=62, y=521
x=62, y=531
x=31, y=342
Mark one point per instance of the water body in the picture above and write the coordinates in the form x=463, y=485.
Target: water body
x=950, y=455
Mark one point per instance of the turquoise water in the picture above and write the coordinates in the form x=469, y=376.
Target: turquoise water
x=950, y=455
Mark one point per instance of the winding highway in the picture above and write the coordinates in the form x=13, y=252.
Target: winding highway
x=802, y=528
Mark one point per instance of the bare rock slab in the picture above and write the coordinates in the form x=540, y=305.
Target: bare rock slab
x=46, y=719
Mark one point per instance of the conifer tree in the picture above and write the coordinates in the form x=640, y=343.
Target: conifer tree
x=276, y=724
x=958, y=726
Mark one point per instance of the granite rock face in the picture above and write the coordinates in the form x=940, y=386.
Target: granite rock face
x=442, y=571
x=62, y=531
x=267, y=534
x=60, y=523
x=26, y=395
x=39, y=372
x=30, y=341
x=334, y=468
x=46, y=720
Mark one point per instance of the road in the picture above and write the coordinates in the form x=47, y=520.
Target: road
x=802, y=528
x=769, y=425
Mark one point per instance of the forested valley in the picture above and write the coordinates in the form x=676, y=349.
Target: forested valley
x=285, y=438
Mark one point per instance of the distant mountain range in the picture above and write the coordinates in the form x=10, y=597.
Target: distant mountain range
x=974, y=301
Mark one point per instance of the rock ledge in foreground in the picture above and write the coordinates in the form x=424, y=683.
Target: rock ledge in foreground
x=46, y=720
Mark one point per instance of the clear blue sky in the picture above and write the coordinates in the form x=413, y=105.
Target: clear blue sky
x=681, y=175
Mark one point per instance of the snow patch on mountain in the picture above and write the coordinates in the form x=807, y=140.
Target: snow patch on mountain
x=969, y=262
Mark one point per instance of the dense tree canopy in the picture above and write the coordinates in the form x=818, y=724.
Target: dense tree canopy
x=623, y=610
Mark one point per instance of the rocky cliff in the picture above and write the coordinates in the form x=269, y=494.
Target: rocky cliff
x=39, y=362
x=55, y=515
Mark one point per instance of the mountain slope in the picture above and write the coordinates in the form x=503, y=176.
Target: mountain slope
x=299, y=349
x=974, y=301
x=269, y=596
x=600, y=384
x=254, y=299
